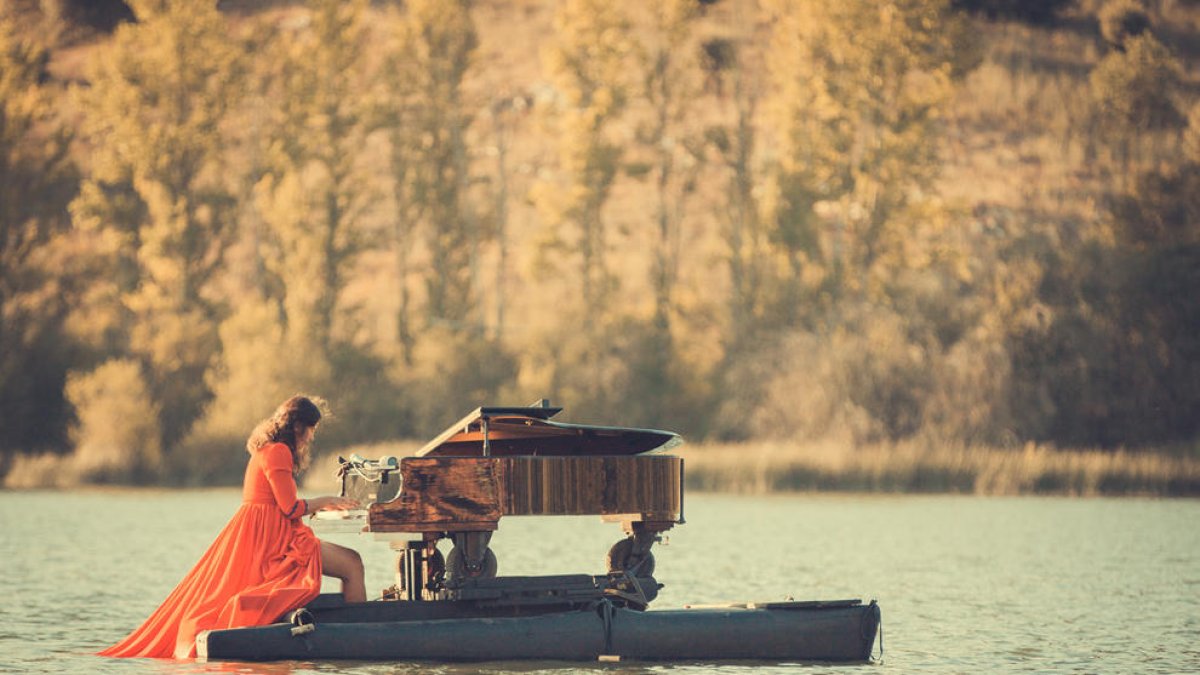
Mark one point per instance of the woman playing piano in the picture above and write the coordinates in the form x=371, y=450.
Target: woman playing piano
x=266, y=561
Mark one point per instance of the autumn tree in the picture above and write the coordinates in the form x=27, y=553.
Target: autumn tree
x=860, y=90
x=736, y=146
x=155, y=189
x=316, y=192
x=667, y=156
x=589, y=66
x=399, y=115
x=36, y=179
x=1149, y=308
x=742, y=225
x=429, y=117
x=437, y=42
x=1134, y=94
x=671, y=90
x=504, y=113
x=857, y=94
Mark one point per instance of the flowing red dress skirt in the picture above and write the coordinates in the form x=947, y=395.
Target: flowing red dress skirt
x=265, y=563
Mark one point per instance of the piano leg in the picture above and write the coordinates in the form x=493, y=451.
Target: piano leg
x=633, y=554
x=470, y=558
x=420, y=569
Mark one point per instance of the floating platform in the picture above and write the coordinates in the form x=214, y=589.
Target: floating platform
x=566, y=629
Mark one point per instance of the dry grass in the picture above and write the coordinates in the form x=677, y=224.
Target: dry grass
x=766, y=467
x=916, y=468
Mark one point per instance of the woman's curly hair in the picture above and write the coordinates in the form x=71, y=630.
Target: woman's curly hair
x=280, y=427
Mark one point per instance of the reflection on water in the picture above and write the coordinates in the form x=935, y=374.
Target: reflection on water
x=966, y=584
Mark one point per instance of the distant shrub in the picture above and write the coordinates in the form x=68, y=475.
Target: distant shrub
x=40, y=471
x=117, y=437
x=204, y=459
x=968, y=400
x=366, y=404
x=456, y=372
x=1162, y=209
x=741, y=382
x=255, y=371
x=861, y=382
x=1134, y=90
x=1121, y=20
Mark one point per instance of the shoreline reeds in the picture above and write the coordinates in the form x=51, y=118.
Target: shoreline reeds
x=912, y=467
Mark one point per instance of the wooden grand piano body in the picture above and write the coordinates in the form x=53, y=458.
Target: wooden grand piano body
x=512, y=461
x=456, y=494
x=499, y=462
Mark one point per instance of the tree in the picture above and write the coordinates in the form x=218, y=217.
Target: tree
x=859, y=93
x=315, y=193
x=159, y=95
x=449, y=356
x=589, y=66
x=744, y=236
x=36, y=178
x=735, y=144
x=1152, y=271
x=400, y=114
x=117, y=438
x=674, y=152
x=671, y=90
x=852, y=129
x=438, y=40
x=1134, y=93
x=504, y=113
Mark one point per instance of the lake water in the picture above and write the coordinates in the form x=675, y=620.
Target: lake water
x=966, y=584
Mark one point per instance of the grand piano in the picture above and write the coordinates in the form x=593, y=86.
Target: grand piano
x=514, y=461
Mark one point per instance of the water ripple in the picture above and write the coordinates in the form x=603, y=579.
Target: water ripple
x=966, y=585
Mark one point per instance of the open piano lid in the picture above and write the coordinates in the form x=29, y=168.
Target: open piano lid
x=529, y=431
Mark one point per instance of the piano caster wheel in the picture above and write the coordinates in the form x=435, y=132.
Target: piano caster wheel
x=621, y=558
x=457, y=570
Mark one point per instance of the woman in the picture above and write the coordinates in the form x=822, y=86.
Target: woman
x=266, y=561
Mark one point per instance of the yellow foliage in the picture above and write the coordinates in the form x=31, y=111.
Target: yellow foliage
x=833, y=185
x=257, y=369
x=117, y=437
x=1135, y=89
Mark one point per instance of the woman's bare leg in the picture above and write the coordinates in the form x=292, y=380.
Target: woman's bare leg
x=345, y=564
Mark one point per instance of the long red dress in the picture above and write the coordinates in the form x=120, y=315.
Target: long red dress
x=264, y=563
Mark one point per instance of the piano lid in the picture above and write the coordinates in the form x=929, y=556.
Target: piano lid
x=529, y=431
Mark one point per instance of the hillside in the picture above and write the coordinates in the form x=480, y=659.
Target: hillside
x=862, y=222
